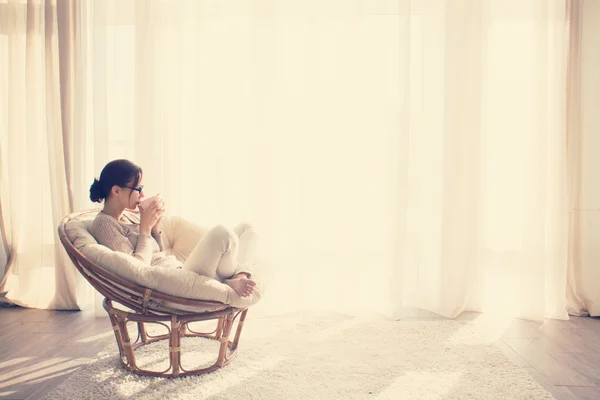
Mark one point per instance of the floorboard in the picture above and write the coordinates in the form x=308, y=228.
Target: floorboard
x=39, y=349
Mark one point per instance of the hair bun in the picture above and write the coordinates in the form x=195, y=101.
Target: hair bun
x=96, y=192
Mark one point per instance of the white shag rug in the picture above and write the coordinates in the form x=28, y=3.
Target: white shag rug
x=323, y=356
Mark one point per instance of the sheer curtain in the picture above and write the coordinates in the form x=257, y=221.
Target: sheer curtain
x=40, y=80
x=584, y=88
x=391, y=153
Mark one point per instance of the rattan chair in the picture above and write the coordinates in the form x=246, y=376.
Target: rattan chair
x=150, y=306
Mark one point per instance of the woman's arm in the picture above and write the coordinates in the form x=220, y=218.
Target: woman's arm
x=158, y=237
x=109, y=233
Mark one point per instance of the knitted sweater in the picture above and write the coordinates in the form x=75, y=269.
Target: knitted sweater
x=124, y=236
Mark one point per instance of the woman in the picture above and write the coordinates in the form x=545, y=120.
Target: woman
x=221, y=254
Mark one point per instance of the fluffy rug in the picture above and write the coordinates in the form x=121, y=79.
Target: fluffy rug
x=324, y=356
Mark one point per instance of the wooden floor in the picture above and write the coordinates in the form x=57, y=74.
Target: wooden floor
x=39, y=349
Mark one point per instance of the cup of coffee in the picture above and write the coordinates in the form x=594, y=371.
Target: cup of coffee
x=150, y=201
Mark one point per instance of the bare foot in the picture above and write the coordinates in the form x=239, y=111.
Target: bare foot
x=242, y=286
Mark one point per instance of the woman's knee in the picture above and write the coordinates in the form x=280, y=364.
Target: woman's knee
x=218, y=231
x=222, y=235
x=243, y=227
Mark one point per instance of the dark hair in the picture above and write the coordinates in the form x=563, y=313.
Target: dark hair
x=118, y=172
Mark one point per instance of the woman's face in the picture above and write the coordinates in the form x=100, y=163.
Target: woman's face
x=131, y=196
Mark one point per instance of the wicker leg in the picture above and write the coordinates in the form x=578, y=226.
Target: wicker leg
x=142, y=331
x=126, y=341
x=219, y=332
x=115, y=326
x=225, y=340
x=238, y=331
x=175, y=348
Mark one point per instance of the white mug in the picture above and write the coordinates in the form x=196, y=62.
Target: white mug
x=149, y=201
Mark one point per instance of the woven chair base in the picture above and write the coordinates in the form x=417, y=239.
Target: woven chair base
x=178, y=328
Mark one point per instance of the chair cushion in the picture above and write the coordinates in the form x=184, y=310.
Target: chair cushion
x=179, y=237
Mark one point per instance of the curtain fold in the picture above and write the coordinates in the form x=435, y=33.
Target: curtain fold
x=575, y=303
x=39, y=40
x=584, y=275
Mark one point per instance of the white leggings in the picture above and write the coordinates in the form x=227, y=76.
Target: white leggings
x=222, y=252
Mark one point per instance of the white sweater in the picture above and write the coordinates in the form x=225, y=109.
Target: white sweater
x=124, y=236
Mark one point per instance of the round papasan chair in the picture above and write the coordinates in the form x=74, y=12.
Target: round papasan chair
x=173, y=298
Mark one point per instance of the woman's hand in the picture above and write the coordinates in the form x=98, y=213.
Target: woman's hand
x=149, y=218
x=161, y=211
x=156, y=227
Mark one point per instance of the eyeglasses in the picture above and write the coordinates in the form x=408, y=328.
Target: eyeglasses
x=137, y=189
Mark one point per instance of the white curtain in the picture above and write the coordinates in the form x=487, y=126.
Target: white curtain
x=584, y=141
x=390, y=153
x=40, y=125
